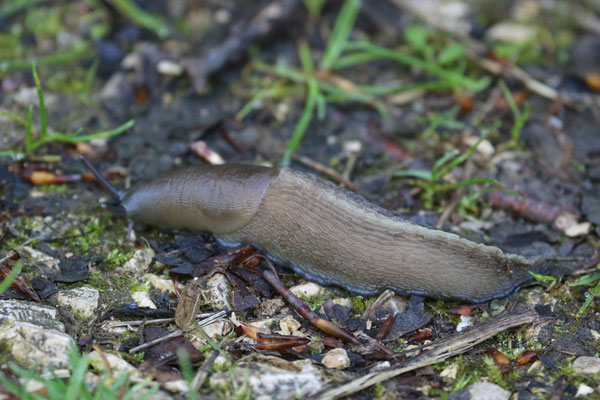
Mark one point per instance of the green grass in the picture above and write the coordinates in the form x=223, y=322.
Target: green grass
x=520, y=117
x=75, y=388
x=135, y=14
x=69, y=56
x=320, y=82
x=593, y=281
x=432, y=181
x=6, y=282
x=35, y=139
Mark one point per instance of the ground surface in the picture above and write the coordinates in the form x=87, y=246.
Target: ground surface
x=378, y=116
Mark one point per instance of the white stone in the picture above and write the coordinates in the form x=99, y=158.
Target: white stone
x=487, y=391
x=586, y=365
x=115, y=364
x=27, y=311
x=217, y=291
x=168, y=67
x=143, y=299
x=289, y=325
x=336, y=359
x=352, y=146
x=217, y=330
x=450, y=372
x=33, y=346
x=485, y=147
x=160, y=284
x=584, y=390
x=308, y=290
x=579, y=229
x=178, y=386
x=40, y=258
x=510, y=32
x=465, y=322
x=300, y=380
x=140, y=261
x=83, y=301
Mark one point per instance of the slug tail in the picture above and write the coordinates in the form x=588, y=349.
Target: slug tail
x=115, y=193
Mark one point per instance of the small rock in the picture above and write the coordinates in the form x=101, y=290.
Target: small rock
x=27, y=311
x=167, y=67
x=116, y=364
x=216, y=330
x=510, y=32
x=487, y=391
x=450, y=372
x=336, y=359
x=177, y=386
x=289, y=325
x=567, y=222
x=143, y=299
x=465, y=322
x=217, y=292
x=342, y=301
x=82, y=301
x=270, y=307
x=40, y=258
x=140, y=261
x=32, y=346
x=584, y=390
x=159, y=283
x=269, y=382
x=586, y=365
x=485, y=147
x=308, y=289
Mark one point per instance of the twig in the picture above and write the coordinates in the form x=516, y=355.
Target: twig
x=326, y=171
x=438, y=351
x=324, y=325
x=203, y=372
x=381, y=300
x=117, y=324
x=161, y=339
x=177, y=332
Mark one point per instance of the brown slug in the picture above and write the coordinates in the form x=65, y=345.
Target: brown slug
x=323, y=232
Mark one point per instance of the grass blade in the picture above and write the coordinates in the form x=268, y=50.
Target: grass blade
x=458, y=160
x=441, y=161
x=413, y=173
x=302, y=125
x=5, y=284
x=60, y=58
x=17, y=6
x=341, y=32
x=140, y=17
x=40, y=93
x=14, y=117
x=29, y=131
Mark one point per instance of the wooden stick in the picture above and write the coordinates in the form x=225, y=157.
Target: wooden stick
x=438, y=351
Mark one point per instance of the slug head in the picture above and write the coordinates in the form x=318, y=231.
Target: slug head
x=210, y=198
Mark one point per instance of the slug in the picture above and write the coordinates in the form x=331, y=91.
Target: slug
x=324, y=233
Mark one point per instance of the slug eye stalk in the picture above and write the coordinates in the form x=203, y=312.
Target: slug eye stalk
x=116, y=195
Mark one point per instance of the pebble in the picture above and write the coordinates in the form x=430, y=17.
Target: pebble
x=83, y=301
x=487, y=391
x=336, y=359
x=586, y=365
